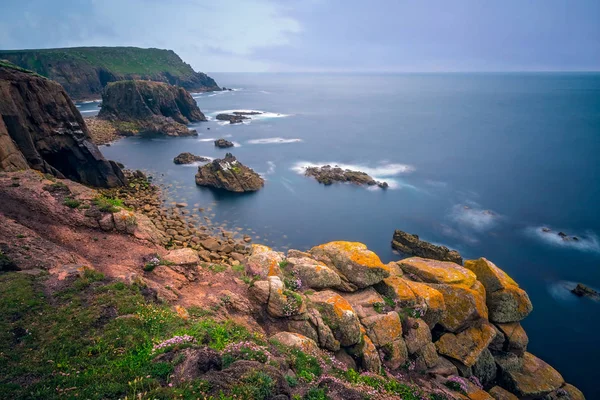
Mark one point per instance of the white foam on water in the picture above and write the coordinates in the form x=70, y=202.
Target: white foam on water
x=271, y=169
x=207, y=140
x=275, y=140
x=587, y=242
x=88, y=111
x=561, y=291
x=236, y=144
x=79, y=103
x=474, y=217
x=198, y=163
x=262, y=115
x=436, y=184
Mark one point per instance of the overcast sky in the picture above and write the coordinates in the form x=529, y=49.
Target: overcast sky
x=323, y=35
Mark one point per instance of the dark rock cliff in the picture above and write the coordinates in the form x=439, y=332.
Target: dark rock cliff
x=85, y=71
x=40, y=127
x=145, y=106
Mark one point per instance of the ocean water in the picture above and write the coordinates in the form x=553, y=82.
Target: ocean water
x=477, y=162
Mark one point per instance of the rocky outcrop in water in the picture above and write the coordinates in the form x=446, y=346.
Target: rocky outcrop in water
x=85, y=71
x=41, y=128
x=418, y=316
x=229, y=174
x=412, y=245
x=232, y=118
x=223, y=144
x=189, y=158
x=327, y=175
x=582, y=290
x=149, y=107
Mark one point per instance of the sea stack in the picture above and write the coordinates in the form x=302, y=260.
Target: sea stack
x=229, y=174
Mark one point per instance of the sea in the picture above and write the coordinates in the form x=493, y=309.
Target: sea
x=493, y=165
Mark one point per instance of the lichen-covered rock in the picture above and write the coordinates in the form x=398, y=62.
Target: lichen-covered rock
x=433, y=300
x=325, y=336
x=41, y=128
x=515, y=338
x=464, y=305
x=383, y=328
x=467, y=345
x=395, y=354
x=412, y=245
x=189, y=158
x=499, y=393
x=485, y=368
x=534, y=380
x=417, y=336
x=229, y=174
x=433, y=271
x=367, y=353
x=506, y=302
x=507, y=362
x=283, y=302
x=399, y=290
x=364, y=302
x=297, y=341
x=185, y=256
x=314, y=274
x=566, y=392
x=263, y=261
x=260, y=291
x=339, y=315
x=359, y=265
x=426, y=357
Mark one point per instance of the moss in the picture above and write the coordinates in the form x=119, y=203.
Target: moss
x=108, y=204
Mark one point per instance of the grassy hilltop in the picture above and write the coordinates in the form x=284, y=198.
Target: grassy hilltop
x=84, y=71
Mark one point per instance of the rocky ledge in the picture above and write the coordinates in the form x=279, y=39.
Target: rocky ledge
x=41, y=128
x=327, y=175
x=229, y=174
x=189, y=158
x=223, y=144
x=135, y=107
x=412, y=245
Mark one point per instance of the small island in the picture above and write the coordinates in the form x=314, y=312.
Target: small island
x=229, y=174
x=223, y=144
x=236, y=117
x=327, y=175
x=189, y=158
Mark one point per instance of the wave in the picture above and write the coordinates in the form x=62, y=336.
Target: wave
x=79, y=103
x=474, y=217
x=561, y=291
x=588, y=242
x=275, y=140
x=88, y=111
x=271, y=169
x=207, y=140
x=198, y=163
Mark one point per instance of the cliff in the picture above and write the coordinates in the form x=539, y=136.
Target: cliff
x=85, y=71
x=149, y=107
x=41, y=128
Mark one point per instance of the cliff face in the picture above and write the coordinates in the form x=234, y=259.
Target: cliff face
x=40, y=127
x=145, y=106
x=85, y=71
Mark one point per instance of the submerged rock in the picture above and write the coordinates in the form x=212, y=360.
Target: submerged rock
x=223, y=144
x=229, y=174
x=583, y=291
x=149, y=107
x=327, y=175
x=412, y=245
x=189, y=158
x=232, y=118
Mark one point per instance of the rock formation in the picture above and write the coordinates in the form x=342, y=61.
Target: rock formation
x=189, y=158
x=412, y=245
x=229, y=174
x=149, y=107
x=458, y=324
x=582, y=290
x=223, y=144
x=85, y=71
x=232, y=118
x=41, y=128
x=327, y=175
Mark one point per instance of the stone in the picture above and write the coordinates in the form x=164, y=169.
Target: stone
x=211, y=244
x=412, y=245
x=464, y=305
x=106, y=222
x=433, y=300
x=566, y=392
x=185, y=256
x=426, y=357
x=383, y=328
x=444, y=367
x=467, y=345
x=417, y=336
x=369, y=356
x=283, y=302
x=485, y=368
x=325, y=336
x=339, y=315
x=506, y=302
x=189, y=158
x=125, y=221
x=229, y=174
x=501, y=394
x=398, y=289
x=395, y=354
x=507, y=362
x=297, y=341
x=314, y=274
x=363, y=301
x=263, y=262
x=260, y=290
x=223, y=144
x=582, y=290
x=433, y=271
x=359, y=265
x=535, y=379
x=192, y=362
x=328, y=175
x=516, y=339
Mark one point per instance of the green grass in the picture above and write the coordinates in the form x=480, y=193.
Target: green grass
x=72, y=203
x=71, y=344
x=108, y=204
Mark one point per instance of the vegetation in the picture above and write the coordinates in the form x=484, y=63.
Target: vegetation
x=108, y=204
x=71, y=203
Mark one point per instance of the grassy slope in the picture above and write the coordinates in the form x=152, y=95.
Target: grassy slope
x=119, y=60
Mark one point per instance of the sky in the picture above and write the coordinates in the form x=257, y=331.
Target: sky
x=323, y=35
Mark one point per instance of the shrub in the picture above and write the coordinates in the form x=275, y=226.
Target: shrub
x=316, y=394
x=71, y=203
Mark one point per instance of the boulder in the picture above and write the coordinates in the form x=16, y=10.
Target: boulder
x=395, y=354
x=339, y=315
x=464, y=305
x=433, y=271
x=582, y=290
x=501, y=394
x=315, y=328
x=263, y=262
x=383, y=328
x=417, y=336
x=506, y=302
x=229, y=174
x=223, y=144
x=426, y=357
x=354, y=261
x=412, y=245
x=283, y=302
x=467, y=345
x=364, y=302
x=189, y=158
x=314, y=274
x=184, y=256
x=260, y=290
x=398, y=289
x=534, y=380
x=566, y=392
x=368, y=354
x=515, y=338
x=297, y=341
x=433, y=300
x=485, y=368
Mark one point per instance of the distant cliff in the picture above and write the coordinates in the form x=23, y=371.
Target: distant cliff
x=41, y=128
x=85, y=71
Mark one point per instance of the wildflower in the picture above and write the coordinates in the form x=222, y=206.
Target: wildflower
x=176, y=340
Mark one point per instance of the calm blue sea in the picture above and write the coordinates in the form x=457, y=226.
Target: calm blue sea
x=477, y=162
